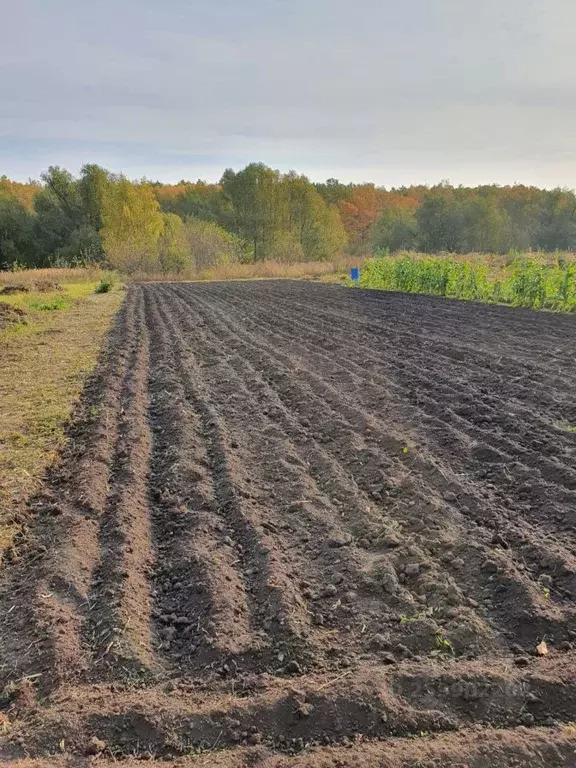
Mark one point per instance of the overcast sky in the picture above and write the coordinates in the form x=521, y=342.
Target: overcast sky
x=381, y=90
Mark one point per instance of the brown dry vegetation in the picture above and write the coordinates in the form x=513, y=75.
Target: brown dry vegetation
x=302, y=526
x=31, y=278
x=259, y=270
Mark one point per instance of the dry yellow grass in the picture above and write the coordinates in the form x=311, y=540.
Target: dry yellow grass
x=259, y=270
x=31, y=278
x=43, y=366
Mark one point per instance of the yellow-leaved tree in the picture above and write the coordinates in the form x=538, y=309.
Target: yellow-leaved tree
x=132, y=225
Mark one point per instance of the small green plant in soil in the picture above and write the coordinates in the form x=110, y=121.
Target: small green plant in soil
x=444, y=645
x=420, y=616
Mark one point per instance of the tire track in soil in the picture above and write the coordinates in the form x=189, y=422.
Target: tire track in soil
x=244, y=459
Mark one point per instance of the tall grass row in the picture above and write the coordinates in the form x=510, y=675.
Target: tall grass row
x=524, y=282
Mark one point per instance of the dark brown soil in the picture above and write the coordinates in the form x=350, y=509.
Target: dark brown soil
x=300, y=525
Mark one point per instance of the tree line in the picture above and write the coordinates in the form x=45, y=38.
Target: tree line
x=259, y=213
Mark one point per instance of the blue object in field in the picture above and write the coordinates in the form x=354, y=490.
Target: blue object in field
x=355, y=273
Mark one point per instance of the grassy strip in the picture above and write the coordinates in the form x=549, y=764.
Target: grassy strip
x=44, y=362
x=522, y=281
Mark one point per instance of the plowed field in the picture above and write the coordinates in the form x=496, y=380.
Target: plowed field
x=298, y=525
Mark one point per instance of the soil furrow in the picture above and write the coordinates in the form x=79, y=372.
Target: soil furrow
x=518, y=609
x=68, y=512
x=447, y=369
x=406, y=377
x=522, y=604
x=201, y=605
x=373, y=703
x=286, y=457
x=118, y=626
x=369, y=393
x=274, y=608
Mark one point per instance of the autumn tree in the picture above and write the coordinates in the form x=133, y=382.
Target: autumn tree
x=173, y=251
x=311, y=223
x=198, y=199
x=132, y=225
x=258, y=213
x=24, y=193
x=209, y=245
x=359, y=212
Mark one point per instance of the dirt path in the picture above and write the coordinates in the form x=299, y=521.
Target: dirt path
x=298, y=520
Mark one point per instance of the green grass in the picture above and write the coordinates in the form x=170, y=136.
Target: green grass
x=106, y=283
x=48, y=301
x=49, y=305
x=524, y=281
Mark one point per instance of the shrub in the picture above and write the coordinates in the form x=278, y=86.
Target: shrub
x=104, y=286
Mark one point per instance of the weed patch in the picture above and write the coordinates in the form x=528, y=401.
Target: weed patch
x=50, y=305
